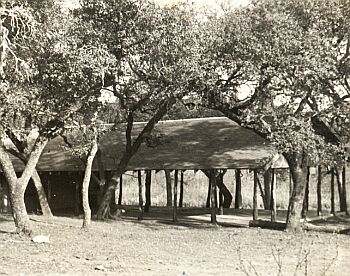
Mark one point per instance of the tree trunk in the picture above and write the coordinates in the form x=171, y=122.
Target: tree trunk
x=181, y=197
x=102, y=176
x=238, y=196
x=148, y=182
x=3, y=195
x=298, y=168
x=319, y=191
x=221, y=185
x=45, y=207
x=132, y=146
x=341, y=181
x=267, y=188
x=224, y=190
x=306, y=197
x=17, y=186
x=86, y=184
x=169, y=193
x=22, y=154
x=262, y=194
x=19, y=209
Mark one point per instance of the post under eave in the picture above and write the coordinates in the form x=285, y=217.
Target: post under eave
x=255, y=196
x=306, y=196
x=273, y=196
x=238, y=195
x=148, y=182
x=139, y=178
x=346, y=206
x=212, y=196
x=176, y=175
x=332, y=192
x=181, y=199
x=120, y=196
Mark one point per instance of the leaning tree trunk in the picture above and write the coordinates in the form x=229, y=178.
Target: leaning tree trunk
x=222, y=187
x=131, y=147
x=102, y=175
x=298, y=169
x=44, y=204
x=169, y=193
x=17, y=186
x=86, y=183
x=22, y=154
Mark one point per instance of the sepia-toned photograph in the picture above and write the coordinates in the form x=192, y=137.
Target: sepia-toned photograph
x=175, y=137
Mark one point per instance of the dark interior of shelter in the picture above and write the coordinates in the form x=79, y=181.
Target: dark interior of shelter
x=63, y=190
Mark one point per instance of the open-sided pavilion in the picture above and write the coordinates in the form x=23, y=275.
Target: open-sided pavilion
x=210, y=144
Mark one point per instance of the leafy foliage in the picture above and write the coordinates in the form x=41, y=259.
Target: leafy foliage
x=293, y=57
x=155, y=50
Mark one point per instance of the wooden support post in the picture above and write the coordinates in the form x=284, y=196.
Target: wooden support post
x=238, y=196
x=176, y=175
x=221, y=203
x=332, y=192
x=212, y=196
x=181, y=199
x=267, y=188
x=120, y=196
x=273, y=196
x=319, y=191
x=169, y=194
x=139, y=177
x=306, y=196
x=255, y=196
x=291, y=185
x=148, y=182
x=345, y=198
x=209, y=195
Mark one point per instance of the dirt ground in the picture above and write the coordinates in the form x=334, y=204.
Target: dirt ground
x=157, y=246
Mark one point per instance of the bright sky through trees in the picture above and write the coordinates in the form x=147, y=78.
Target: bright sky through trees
x=209, y=3
x=215, y=4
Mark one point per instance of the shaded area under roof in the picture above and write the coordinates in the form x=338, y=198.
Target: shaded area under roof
x=202, y=143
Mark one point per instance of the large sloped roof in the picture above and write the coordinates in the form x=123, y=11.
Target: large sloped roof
x=175, y=144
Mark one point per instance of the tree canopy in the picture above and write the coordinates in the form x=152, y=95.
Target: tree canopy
x=279, y=67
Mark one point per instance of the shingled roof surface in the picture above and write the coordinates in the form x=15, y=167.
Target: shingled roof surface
x=177, y=144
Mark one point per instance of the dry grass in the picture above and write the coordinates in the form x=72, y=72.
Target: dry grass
x=156, y=246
